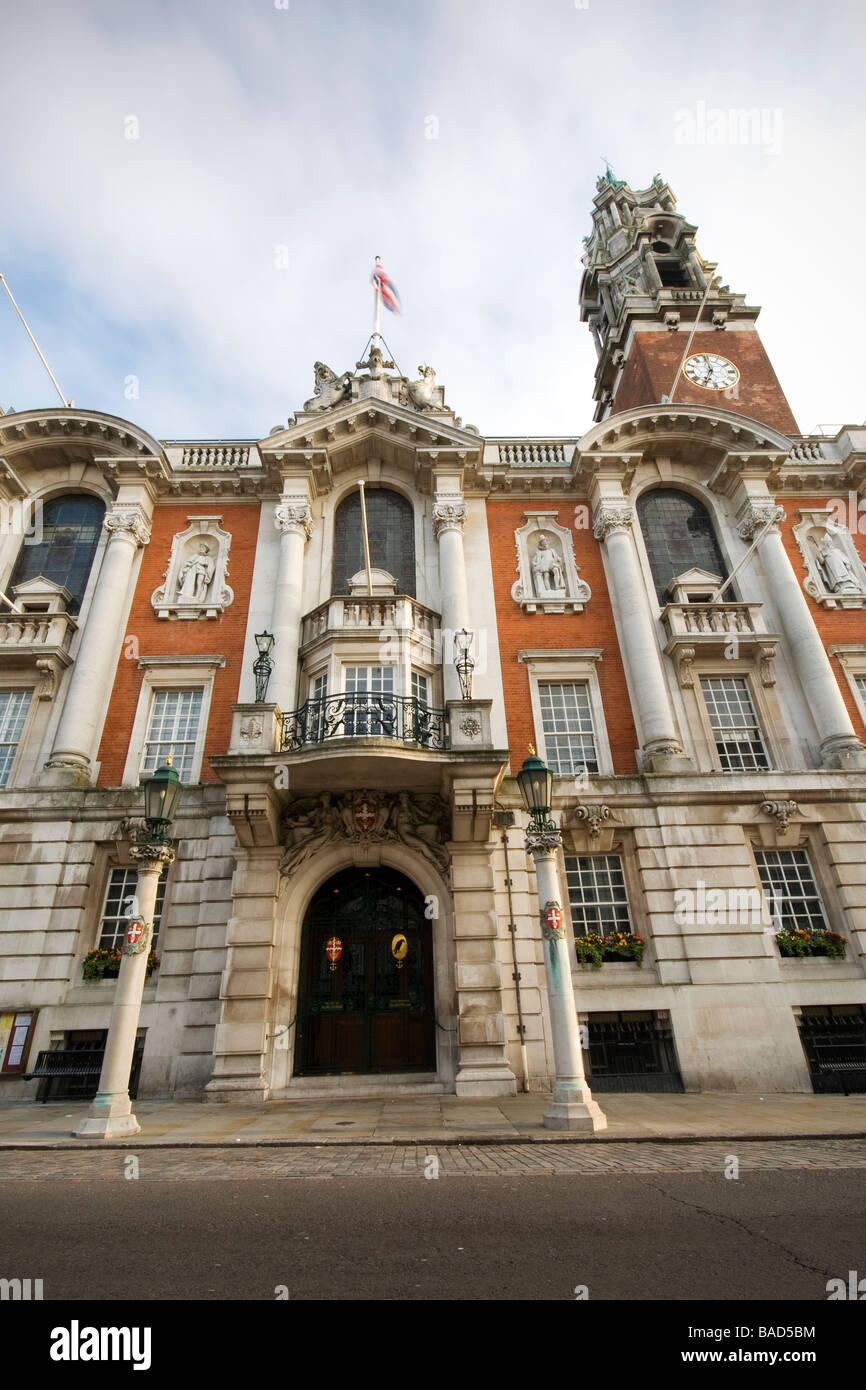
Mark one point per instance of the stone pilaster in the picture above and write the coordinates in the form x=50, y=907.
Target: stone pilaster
x=661, y=747
x=70, y=763
x=449, y=517
x=483, y=1068
x=240, y=1044
x=293, y=519
x=840, y=747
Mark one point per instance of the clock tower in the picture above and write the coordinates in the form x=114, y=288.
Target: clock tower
x=645, y=291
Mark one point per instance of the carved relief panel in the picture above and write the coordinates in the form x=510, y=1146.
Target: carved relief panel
x=195, y=581
x=548, y=574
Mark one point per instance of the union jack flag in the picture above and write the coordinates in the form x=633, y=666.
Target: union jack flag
x=386, y=287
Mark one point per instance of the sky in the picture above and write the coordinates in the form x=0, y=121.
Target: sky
x=194, y=193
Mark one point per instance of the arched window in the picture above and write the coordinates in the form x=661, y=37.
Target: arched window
x=679, y=536
x=391, y=528
x=70, y=534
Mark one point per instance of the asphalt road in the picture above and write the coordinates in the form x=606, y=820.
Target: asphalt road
x=195, y=1230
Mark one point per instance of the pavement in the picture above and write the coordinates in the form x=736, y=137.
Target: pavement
x=443, y=1120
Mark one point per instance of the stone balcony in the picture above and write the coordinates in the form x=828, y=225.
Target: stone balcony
x=355, y=615
x=733, y=630
x=39, y=637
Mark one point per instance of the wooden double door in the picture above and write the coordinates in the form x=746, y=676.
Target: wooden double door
x=366, y=978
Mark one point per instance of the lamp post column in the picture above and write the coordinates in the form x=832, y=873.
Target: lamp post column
x=571, y=1105
x=292, y=518
x=110, y=1115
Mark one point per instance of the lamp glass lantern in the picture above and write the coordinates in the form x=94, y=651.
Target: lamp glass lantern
x=162, y=794
x=264, y=642
x=263, y=666
x=535, y=781
x=463, y=661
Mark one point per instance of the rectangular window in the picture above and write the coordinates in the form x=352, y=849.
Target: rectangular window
x=420, y=688
x=596, y=893
x=174, y=728
x=122, y=885
x=566, y=722
x=371, y=710
x=14, y=705
x=860, y=682
x=734, y=723
x=792, y=893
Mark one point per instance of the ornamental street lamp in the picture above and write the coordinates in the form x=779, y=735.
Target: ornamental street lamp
x=571, y=1106
x=110, y=1115
x=463, y=661
x=263, y=666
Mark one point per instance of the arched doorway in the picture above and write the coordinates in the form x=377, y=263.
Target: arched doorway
x=373, y=1012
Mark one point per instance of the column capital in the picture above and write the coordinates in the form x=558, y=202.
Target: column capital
x=756, y=515
x=543, y=844
x=151, y=856
x=611, y=517
x=294, y=517
x=449, y=516
x=129, y=521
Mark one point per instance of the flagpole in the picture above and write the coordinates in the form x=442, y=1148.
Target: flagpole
x=5, y=285
x=376, y=334
x=366, y=541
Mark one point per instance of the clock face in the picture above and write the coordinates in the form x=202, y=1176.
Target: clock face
x=712, y=372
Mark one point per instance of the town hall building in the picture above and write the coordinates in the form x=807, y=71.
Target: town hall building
x=670, y=608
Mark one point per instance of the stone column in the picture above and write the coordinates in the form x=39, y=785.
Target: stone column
x=571, y=1106
x=839, y=745
x=93, y=677
x=661, y=747
x=110, y=1115
x=293, y=519
x=448, y=521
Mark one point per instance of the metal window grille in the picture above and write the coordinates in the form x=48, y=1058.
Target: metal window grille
x=735, y=725
x=14, y=705
x=566, y=722
x=174, y=725
x=123, y=883
x=788, y=881
x=596, y=893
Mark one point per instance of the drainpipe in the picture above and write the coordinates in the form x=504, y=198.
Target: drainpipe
x=502, y=819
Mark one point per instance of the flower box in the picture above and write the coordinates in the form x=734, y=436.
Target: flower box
x=105, y=965
x=801, y=943
x=621, y=946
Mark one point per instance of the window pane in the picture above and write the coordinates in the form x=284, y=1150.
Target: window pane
x=788, y=881
x=14, y=705
x=566, y=721
x=735, y=724
x=391, y=531
x=174, y=724
x=121, y=885
x=596, y=892
x=679, y=536
x=372, y=711
x=71, y=527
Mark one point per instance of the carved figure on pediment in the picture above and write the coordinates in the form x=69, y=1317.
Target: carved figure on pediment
x=406, y=822
x=548, y=576
x=196, y=575
x=420, y=394
x=309, y=831
x=330, y=389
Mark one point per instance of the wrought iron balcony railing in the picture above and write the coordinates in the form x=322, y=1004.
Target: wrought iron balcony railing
x=365, y=714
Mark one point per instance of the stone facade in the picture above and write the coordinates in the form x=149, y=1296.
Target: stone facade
x=369, y=754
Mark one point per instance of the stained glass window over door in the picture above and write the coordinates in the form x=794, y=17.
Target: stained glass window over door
x=678, y=535
x=71, y=527
x=391, y=529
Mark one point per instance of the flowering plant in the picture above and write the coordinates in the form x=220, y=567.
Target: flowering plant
x=799, y=942
x=104, y=964
x=595, y=950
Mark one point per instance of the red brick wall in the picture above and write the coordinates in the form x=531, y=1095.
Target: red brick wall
x=519, y=631
x=654, y=357
x=223, y=636
x=836, y=625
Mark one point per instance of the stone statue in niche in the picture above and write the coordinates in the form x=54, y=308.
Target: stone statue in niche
x=196, y=575
x=838, y=571
x=548, y=577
